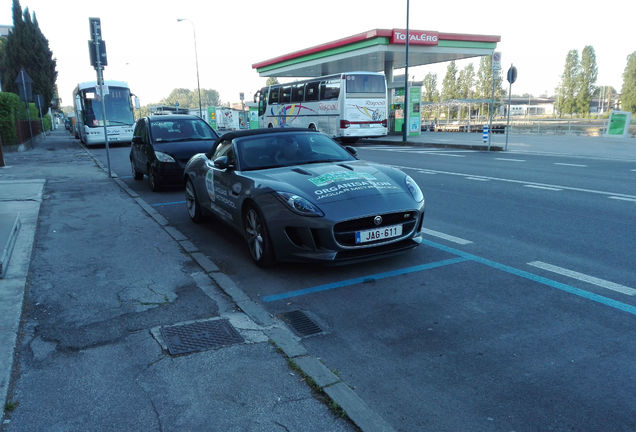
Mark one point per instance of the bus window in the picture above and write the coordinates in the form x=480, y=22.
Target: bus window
x=311, y=91
x=329, y=89
x=285, y=94
x=273, y=95
x=365, y=84
x=298, y=92
x=262, y=101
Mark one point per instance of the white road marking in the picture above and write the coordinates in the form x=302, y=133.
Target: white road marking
x=585, y=278
x=542, y=187
x=570, y=164
x=622, y=198
x=477, y=179
x=510, y=160
x=448, y=237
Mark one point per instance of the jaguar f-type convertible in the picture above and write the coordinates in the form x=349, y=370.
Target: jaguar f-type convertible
x=298, y=195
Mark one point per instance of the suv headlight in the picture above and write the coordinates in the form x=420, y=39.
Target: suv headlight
x=162, y=157
x=415, y=190
x=298, y=204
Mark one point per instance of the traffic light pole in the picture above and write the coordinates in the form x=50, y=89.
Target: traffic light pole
x=96, y=36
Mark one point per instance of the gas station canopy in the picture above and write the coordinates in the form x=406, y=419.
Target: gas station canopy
x=378, y=50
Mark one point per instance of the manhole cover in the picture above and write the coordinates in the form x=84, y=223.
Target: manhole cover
x=301, y=323
x=200, y=336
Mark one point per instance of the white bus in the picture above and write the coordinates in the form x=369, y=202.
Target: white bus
x=120, y=119
x=347, y=106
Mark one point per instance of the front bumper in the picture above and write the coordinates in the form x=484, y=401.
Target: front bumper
x=302, y=238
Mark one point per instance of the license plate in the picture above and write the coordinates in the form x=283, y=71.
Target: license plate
x=378, y=233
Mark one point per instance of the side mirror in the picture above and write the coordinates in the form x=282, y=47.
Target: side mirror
x=137, y=140
x=352, y=151
x=221, y=162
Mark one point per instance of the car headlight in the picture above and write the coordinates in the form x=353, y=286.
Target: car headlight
x=299, y=204
x=415, y=190
x=162, y=157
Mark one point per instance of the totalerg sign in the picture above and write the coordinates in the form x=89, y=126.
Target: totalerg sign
x=416, y=37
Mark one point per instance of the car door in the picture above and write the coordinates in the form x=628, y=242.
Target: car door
x=138, y=152
x=220, y=180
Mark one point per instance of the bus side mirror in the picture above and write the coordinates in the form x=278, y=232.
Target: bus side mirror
x=137, y=104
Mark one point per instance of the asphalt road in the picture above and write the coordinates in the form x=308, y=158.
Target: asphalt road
x=517, y=313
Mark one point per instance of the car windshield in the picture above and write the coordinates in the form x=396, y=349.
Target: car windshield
x=175, y=130
x=288, y=148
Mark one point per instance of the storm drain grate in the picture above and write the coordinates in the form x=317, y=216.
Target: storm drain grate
x=301, y=323
x=200, y=336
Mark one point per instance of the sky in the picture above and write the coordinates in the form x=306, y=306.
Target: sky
x=154, y=53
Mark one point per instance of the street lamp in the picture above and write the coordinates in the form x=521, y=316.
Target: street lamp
x=196, y=58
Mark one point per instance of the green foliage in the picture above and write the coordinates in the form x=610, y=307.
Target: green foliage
x=271, y=81
x=26, y=47
x=11, y=108
x=430, y=93
x=587, y=78
x=568, y=89
x=628, y=91
x=190, y=98
x=450, y=88
x=48, y=122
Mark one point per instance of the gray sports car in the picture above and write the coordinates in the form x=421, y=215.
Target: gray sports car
x=297, y=195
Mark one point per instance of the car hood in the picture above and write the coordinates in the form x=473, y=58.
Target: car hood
x=330, y=182
x=184, y=150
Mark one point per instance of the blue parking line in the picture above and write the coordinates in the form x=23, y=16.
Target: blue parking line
x=461, y=257
x=536, y=278
x=167, y=203
x=363, y=279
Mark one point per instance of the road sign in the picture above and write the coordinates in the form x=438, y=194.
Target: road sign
x=92, y=51
x=496, y=61
x=24, y=83
x=512, y=74
x=96, y=29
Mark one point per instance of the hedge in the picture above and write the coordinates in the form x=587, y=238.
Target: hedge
x=11, y=108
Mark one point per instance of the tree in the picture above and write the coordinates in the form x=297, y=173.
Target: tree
x=568, y=89
x=26, y=47
x=466, y=83
x=484, y=82
x=588, y=72
x=431, y=94
x=271, y=81
x=628, y=91
x=190, y=98
x=449, y=85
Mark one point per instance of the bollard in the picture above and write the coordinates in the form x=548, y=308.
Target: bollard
x=485, y=135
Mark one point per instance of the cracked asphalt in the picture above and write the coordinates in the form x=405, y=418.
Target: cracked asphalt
x=102, y=277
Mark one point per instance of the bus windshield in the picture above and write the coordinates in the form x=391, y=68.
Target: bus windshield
x=118, y=107
x=365, y=84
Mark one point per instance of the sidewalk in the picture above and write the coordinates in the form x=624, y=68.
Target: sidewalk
x=100, y=296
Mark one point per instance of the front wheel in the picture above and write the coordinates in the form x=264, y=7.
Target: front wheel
x=257, y=237
x=192, y=203
x=136, y=174
x=153, y=181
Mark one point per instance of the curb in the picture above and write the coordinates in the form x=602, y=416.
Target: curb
x=481, y=147
x=339, y=392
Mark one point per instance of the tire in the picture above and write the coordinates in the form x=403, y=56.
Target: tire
x=136, y=174
x=257, y=237
x=153, y=181
x=312, y=127
x=192, y=203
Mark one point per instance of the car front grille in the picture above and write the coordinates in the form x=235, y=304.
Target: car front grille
x=345, y=232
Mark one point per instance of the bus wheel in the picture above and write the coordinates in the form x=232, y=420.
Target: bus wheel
x=270, y=126
x=312, y=127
